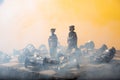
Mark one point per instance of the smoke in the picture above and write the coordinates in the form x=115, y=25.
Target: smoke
x=19, y=24
x=29, y=21
x=87, y=70
x=24, y=22
x=1, y=1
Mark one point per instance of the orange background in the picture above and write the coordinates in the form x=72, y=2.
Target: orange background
x=29, y=21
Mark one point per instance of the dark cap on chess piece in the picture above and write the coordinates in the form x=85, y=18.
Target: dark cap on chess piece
x=53, y=29
x=72, y=27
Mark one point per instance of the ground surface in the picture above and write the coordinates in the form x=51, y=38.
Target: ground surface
x=15, y=70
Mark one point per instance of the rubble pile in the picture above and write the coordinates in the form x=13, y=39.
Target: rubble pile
x=37, y=60
x=40, y=58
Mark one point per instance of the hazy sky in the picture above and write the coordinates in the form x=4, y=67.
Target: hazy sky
x=29, y=21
